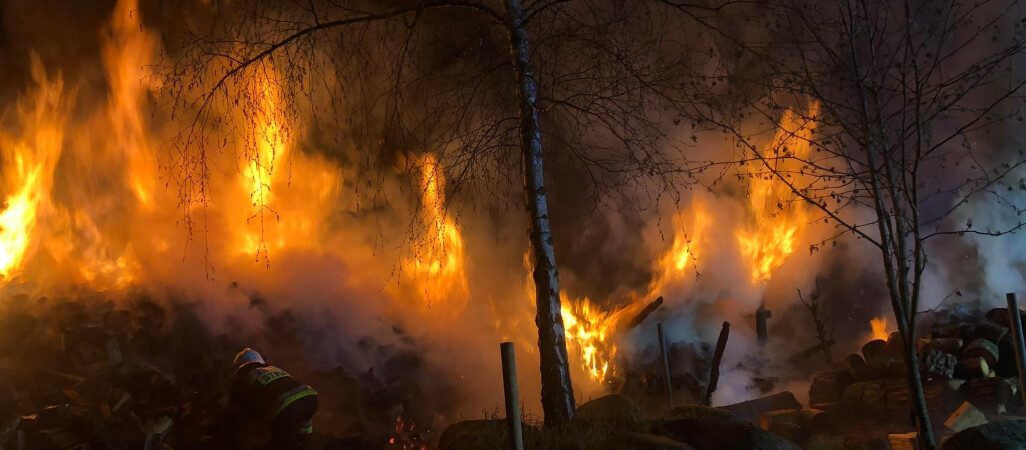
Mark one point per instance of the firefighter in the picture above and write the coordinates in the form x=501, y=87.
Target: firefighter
x=267, y=394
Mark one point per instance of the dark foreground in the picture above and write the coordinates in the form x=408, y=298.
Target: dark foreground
x=92, y=374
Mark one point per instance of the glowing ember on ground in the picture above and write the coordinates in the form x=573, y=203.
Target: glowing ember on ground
x=407, y=436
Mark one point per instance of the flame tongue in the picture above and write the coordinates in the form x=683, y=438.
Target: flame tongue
x=30, y=161
x=776, y=223
x=589, y=329
x=879, y=326
x=265, y=148
x=17, y=220
x=439, y=263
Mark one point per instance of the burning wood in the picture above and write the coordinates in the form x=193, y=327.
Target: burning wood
x=83, y=161
x=647, y=311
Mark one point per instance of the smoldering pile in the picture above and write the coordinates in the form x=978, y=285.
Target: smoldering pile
x=968, y=369
x=91, y=373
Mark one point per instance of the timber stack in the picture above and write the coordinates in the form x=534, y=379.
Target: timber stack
x=967, y=366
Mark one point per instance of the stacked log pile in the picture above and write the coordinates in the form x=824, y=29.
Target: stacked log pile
x=89, y=374
x=966, y=362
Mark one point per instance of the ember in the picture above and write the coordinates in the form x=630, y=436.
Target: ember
x=406, y=436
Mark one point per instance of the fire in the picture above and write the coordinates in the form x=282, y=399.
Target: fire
x=278, y=214
x=265, y=149
x=592, y=331
x=127, y=52
x=438, y=264
x=113, y=223
x=674, y=263
x=776, y=224
x=407, y=436
x=29, y=162
x=589, y=329
x=17, y=220
x=879, y=326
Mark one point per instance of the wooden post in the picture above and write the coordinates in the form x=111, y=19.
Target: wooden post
x=1017, y=339
x=509, y=385
x=666, y=365
x=714, y=374
x=761, y=329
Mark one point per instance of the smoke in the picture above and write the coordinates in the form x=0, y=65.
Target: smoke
x=325, y=223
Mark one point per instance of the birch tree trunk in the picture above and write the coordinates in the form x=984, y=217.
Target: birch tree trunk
x=915, y=383
x=557, y=391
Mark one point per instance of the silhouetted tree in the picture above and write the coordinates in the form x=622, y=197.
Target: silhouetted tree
x=471, y=80
x=901, y=102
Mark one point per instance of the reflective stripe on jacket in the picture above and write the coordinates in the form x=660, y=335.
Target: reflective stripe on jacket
x=264, y=390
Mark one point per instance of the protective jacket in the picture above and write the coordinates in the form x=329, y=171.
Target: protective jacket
x=268, y=393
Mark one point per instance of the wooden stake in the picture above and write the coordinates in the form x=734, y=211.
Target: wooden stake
x=509, y=385
x=666, y=365
x=1017, y=339
x=761, y=329
x=714, y=374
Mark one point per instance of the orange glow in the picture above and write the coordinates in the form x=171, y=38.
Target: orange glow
x=18, y=217
x=776, y=224
x=114, y=222
x=879, y=326
x=673, y=266
x=592, y=331
x=127, y=51
x=29, y=162
x=589, y=329
x=89, y=198
x=438, y=263
x=265, y=149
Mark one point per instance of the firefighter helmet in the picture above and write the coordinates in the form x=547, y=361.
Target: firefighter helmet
x=246, y=356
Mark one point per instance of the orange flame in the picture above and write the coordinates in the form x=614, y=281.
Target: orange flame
x=673, y=265
x=265, y=150
x=772, y=234
x=127, y=52
x=103, y=228
x=589, y=329
x=19, y=216
x=879, y=326
x=30, y=160
x=438, y=266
